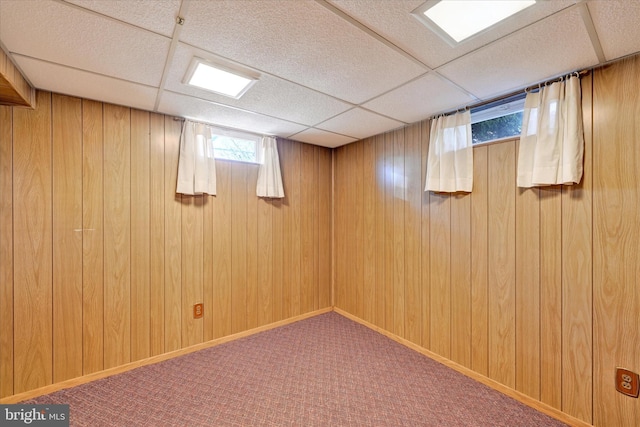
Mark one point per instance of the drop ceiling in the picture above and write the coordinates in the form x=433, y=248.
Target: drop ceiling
x=331, y=72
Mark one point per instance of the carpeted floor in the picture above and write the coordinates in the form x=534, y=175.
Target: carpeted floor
x=322, y=371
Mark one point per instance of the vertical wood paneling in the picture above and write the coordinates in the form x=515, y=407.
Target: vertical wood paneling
x=32, y=246
x=344, y=294
x=93, y=237
x=252, y=246
x=347, y=294
x=222, y=252
x=461, y=279
x=156, y=224
x=527, y=296
x=577, y=276
x=288, y=181
x=238, y=247
x=277, y=236
x=389, y=230
x=553, y=275
x=336, y=218
x=616, y=203
x=369, y=230
x=67, y=237
x=30, y=174
x=315, y=257
x=399, y=202
x=357, y=167
x=307, y=220
x=192, y=267
x=340, y=227
x=479, y=262
x=412, y=236
x=325, y=230
x=425, y=244
x=117, y=236
x=551, y=296
x=265, y=262
x=140, y=235
x=6, y=251
x=172, y=239
x=208, y=271
x=294, y=245
x=380, y=231
x=440, y=273
x=501, y=257
x=112, y=260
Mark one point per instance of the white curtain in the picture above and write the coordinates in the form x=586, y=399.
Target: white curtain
x=450, y=160
x=196, y=165
x=269, y=175
x=552, y=141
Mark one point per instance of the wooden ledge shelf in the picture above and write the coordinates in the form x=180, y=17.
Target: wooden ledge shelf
x=14, y=88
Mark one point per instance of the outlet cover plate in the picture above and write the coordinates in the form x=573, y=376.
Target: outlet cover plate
x=198, y=310
x=627, y=382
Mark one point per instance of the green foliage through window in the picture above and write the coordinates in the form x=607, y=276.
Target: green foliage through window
x=499, y=127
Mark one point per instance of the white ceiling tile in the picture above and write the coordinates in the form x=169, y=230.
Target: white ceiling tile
x=209, y=112
x=393, y=20
x=82, y=40
x=420, y=99
x=69, y=81
x=359, y=123
x=316, y=61
x=300, y=41
x=269, y=95
x=322, y=138
x=618, y=26
x=153, y=15
x=553, y=46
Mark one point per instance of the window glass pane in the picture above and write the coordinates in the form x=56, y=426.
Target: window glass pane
x=232, y=148
x=496, y=128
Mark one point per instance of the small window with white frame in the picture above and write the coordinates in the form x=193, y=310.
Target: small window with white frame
x=236, y=145
x=497, y=120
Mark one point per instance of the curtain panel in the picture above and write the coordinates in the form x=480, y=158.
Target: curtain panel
x=450, y=158
x=196, y=164
x=269, y=174
x=552, y=141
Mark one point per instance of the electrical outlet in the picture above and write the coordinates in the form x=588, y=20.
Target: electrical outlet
x=198, y=310
x=627, y=382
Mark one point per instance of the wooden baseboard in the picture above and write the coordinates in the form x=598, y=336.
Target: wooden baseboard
x=154, y=359
x=520, y=397
x=529, y=401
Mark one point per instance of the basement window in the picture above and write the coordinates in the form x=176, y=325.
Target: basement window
x=497, y=120
x=236, y=145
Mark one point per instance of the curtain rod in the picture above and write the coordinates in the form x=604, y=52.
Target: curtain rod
x=182, y=119
x=513, y=94
x=580, y=72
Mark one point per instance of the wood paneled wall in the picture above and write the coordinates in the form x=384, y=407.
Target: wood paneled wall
x=616, y=236
x=101, y=262
x=535, y=288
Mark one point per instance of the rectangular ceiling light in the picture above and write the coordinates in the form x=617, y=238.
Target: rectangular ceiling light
x=219, y=79
x=457, y=20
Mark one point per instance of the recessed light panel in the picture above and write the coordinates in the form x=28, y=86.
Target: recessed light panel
x=218, y=79
x=457, y=20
